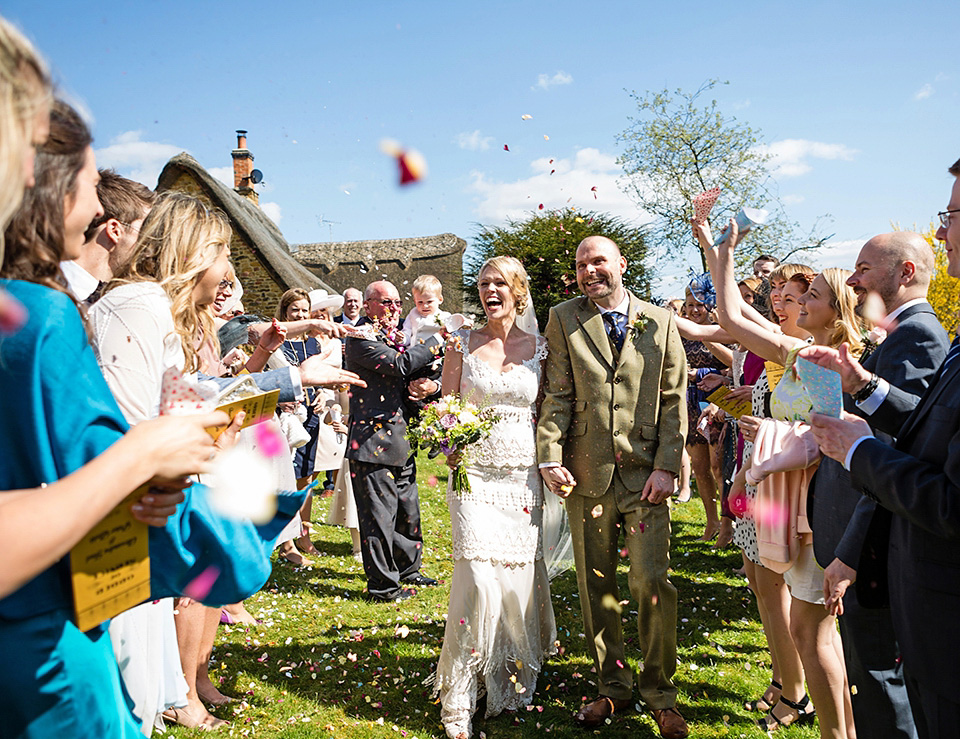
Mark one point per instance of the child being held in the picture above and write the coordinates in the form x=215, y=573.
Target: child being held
x=426, y=318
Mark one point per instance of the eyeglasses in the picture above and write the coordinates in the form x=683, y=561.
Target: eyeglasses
x=946, y=216
x=398, y=302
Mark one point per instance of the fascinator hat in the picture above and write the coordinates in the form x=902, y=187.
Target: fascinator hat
x=701, y=287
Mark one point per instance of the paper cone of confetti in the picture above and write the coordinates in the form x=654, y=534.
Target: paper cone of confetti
x=704, y=202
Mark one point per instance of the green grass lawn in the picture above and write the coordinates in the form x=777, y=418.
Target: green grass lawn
x=326, y=663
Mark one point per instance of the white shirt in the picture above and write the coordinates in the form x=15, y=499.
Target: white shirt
x=80, y=282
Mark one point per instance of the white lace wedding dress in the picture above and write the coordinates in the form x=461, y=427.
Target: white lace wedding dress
x=500, y=624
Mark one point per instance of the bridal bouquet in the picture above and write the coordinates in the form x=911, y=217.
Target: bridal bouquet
x=451, y=425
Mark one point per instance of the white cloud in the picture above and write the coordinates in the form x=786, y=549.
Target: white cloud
x=137, y=159
x=546, y=81
x=474, y=141
x=224, y=174
x=272, y=211
x=841, y=254
x=789, y=156
x=569, y=185
x=924, y=92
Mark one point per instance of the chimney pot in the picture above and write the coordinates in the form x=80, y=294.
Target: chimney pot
x=241, y=139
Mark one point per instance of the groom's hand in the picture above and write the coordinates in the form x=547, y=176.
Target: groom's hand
x=659, y=486
x=558, y=479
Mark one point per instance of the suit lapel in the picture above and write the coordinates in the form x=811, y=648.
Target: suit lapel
x=592, y=322
x=630, y=342
x=929, y=399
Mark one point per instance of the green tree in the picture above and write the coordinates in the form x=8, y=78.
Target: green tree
x=944, y=292
x=677, y=147
x=546, y=244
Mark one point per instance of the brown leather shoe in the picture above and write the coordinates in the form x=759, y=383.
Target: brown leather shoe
x=596, y=712
x=671, y=723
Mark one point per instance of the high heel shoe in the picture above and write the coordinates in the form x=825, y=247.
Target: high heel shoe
x=762, y=704
x=802, y=715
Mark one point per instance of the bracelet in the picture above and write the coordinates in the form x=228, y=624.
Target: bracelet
x=867, y=390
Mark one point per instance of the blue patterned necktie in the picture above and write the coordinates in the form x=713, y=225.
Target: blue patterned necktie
x=616, y=324
x=952, y=354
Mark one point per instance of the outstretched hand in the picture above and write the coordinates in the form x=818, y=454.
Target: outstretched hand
x=853, y=376
x=315, y=371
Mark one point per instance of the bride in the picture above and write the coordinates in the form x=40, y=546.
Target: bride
x=500, y=626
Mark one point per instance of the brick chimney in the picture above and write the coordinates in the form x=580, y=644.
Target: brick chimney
x=242, y=167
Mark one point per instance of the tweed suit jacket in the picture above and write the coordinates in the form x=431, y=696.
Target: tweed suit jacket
x=602, y=412
x=918, y=481
x=908, y=359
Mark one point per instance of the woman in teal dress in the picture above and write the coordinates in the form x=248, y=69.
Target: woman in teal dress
x=57, y=414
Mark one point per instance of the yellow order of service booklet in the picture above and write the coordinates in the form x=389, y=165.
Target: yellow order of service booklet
x=736, y=408
x=258, y=408
x=110, y=566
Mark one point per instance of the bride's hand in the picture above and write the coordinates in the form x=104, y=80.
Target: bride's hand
x=454, y=459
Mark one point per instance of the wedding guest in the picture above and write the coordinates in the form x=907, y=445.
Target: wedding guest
x=609, y=439
x=169, y=448
x=385, y=469
x=894, y=268
x=917, y=483
x=827, y=311
x=110, y=237
x=705, y=361
x=56, y=679
x=352, y=302
x=764, y=265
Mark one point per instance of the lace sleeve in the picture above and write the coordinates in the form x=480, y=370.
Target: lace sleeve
x=541, y=352
x=460, y=341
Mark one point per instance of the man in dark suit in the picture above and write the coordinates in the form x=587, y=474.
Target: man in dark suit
x=919, y=483
x=896, y=268
x=381, y=460
x=352, y=300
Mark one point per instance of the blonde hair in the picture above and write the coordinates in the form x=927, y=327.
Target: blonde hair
x=786, y=271
x=25, y=91
x=428, y=285
x=848, y=326
x=515, y=275
x=290, y=297
x=179, y=240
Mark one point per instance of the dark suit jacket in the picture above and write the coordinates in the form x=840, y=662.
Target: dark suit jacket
x=919, y=483
x=908, y=360
x=379, y=412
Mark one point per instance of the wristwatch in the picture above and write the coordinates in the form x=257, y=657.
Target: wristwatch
x=867, y=390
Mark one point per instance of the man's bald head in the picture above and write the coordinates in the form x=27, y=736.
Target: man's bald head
x=900, y=247
x=600, y=241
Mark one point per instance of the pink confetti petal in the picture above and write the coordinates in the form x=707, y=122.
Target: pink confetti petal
x=200, y=586
x=12, y=313
x=269, y=441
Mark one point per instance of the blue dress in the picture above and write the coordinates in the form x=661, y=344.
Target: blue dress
x=56, y=414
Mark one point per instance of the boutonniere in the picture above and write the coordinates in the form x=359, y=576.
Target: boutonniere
x=639, y=324
x=876, y=335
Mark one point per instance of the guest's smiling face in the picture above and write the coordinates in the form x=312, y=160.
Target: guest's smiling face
x=298, y=310
x=950, y=235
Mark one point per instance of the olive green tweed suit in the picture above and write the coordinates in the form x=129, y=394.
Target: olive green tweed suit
x=611, y=418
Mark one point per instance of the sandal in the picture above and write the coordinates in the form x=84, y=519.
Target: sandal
x=762, y=704
x=803, y=716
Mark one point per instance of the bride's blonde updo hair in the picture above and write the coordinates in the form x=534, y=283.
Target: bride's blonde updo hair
x=179, y=240
x=516, y=277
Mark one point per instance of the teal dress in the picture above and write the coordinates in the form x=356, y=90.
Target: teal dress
x=56, y=414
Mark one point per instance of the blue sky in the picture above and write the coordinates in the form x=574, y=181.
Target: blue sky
x=859, y=101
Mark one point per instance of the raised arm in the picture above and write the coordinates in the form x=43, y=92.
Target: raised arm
x=760, y=340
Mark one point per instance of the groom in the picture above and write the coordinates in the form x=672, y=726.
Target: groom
x=610, y=436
